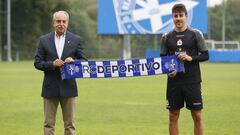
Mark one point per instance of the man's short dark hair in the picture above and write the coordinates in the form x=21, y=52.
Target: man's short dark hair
x=178, y=8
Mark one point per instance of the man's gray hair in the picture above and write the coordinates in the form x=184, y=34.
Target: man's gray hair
x=64, y=12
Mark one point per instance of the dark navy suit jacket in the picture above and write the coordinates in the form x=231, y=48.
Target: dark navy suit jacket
x=46, y=53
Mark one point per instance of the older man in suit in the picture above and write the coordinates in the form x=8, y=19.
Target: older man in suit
x=54, y=50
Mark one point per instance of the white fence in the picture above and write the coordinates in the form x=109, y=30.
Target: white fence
x=223, y=45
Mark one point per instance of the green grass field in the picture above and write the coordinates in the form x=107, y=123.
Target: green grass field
x=125, y=106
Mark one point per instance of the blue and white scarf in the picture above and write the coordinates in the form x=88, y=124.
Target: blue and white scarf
x=122, y=68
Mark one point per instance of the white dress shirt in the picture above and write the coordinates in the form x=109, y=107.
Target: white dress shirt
x=59, y=43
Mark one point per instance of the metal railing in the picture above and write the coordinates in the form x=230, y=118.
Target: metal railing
x=223, y=45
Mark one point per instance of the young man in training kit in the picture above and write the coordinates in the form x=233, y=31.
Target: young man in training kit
x=189, y=45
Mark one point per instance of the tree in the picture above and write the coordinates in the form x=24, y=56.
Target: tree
x=83, y=22
x=33, y=18
x=30, y=19
x=232, y=21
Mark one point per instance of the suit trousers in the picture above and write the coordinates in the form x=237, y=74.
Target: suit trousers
x=68, y=105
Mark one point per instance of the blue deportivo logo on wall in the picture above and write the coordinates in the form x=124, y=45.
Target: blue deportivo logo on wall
x=147, y=16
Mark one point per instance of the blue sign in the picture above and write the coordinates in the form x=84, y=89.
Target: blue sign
x=147, y=16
